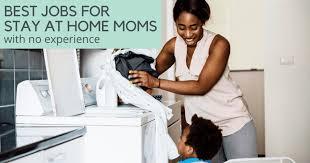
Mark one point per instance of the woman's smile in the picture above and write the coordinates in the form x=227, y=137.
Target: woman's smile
x=189, y=27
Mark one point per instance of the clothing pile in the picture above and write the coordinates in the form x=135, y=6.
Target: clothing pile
x=164, y=146
x=133, y=61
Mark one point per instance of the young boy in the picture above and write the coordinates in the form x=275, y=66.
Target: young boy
x=200, y=141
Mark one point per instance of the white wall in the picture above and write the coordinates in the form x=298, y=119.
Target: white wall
x=241, y=22
x=287, y=87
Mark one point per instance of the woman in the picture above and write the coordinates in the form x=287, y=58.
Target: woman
x=201, y=58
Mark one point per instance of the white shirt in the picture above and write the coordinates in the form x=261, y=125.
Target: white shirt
x=223, y=104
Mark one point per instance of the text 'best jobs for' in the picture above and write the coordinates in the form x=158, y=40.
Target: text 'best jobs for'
x=72, y=10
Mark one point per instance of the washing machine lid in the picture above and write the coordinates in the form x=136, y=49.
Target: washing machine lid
x=94, y=116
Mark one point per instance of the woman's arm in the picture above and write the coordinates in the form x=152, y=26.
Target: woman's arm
x=166, y=58
x=209, y=76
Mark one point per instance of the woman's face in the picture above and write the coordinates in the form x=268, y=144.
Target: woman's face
x=189, y=27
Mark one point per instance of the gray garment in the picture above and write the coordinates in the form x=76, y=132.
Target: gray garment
x=241, y=144
x=132, y=61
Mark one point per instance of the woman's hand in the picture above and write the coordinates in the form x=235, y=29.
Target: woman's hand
x=142, y=78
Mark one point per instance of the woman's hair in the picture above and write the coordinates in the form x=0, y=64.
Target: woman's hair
x=199, y=8
x=205, y=138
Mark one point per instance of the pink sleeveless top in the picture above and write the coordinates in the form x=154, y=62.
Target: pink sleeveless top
x=223, y=104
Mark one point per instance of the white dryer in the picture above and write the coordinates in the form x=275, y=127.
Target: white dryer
x=118, y=135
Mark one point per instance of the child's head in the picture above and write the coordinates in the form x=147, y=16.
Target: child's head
x=202, y=139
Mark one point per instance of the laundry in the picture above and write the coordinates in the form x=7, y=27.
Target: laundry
x=164, y=145
x=133, y=61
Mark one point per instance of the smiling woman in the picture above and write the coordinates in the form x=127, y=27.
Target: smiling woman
x=201, y=58
x=189, y=27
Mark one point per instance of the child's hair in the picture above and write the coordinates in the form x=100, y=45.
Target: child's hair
x=205, y=137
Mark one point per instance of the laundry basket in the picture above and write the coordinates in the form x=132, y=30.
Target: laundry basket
x=262, y=160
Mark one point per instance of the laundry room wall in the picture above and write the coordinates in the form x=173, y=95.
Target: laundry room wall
x=16, y=66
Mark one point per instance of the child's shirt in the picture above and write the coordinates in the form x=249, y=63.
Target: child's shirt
x=194, y=160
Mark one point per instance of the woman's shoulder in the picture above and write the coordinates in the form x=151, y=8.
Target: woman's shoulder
x=171, y=42
x=220, y=41
x=170, y=45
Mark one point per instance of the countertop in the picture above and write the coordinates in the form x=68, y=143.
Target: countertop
x=130, y=116
x=20, y=141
